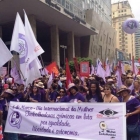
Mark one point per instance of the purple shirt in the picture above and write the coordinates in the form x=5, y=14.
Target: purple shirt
x=19, y=96
x=131, y=106
x=75, y=98
x=53, y=96
x=61, y=100
x=94, y=99
x=43, y=94
x=4, y=105
x=36, y=97
x=134, y=93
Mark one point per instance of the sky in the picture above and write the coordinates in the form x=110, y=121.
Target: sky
x=135, y=7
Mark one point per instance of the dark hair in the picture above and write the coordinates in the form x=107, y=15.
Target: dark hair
x=98, y=91
x=73, y=88
x=37, y=89
x=53, y=86
x=110, y=87
x=81, y=88
x=76, y=81
x=64, y=90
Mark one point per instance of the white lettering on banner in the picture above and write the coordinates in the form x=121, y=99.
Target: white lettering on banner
x=83, y=121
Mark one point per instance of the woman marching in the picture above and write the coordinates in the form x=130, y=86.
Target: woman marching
x=132, y=114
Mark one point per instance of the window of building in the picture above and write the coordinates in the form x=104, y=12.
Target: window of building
x=67, y=4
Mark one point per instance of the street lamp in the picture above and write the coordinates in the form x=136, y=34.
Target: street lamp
x=64, y=47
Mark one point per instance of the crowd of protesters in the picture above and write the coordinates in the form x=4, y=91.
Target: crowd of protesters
x=92, y=89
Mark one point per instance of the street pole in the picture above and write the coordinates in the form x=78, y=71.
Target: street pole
x=64, y=56
x=64, y=47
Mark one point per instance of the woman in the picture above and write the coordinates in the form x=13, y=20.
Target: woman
x=62, y=95
x=136, y=90
x=83, y=91
x=35, y=96
x=74, y=96
x=107, y=95
x=41, y=90
x=132, y=115
x=27, y=93
x=53, y=93
x=7, y=96
x=94, y=93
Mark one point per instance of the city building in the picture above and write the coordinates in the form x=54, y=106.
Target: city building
x=102, y=45
x=64, y=28
x=121, y=11
x=137, y=44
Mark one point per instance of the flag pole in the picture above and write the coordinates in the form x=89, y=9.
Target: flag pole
x=43, y=65
x=18, y=68
x=9, y=67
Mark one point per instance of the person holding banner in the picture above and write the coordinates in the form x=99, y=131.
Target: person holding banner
x=27, y=93
x=40, y=86
x=108, y=97
x=132, y=115
x=53, y=93
x=74, y=96
x=35, y=96
x=136, y=90
x=7, y=96
x=62, y=95
x=94, y=93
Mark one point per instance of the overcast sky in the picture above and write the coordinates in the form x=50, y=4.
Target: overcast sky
x=135, y=7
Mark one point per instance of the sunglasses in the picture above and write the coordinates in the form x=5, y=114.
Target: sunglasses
x=107, y=89
x=129, y=78
x=61, y=91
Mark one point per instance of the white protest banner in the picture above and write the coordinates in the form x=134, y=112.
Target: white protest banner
x=83, y=121
x=3, y=71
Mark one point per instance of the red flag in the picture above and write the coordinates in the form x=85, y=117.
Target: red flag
x=52, y=68
x=139, y=60
x=104, y=65
x=68, y=74
x=76, y=66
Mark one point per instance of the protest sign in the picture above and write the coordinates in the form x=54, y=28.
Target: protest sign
x=83, y=121
x=84, y=69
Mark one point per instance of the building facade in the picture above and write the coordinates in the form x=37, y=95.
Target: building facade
x=137, y=44
x=121, y=11
x=64, y=28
